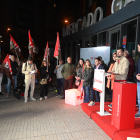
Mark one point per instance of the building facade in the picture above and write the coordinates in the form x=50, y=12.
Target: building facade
x=114, y=23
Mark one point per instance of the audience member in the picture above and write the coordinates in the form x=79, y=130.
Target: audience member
x=60, y=79
x=87, y=79
x=131, y=66
x=68, y=72
x=29, y=69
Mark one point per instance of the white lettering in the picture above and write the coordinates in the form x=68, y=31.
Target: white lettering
x=90, y=19
x=127, y=2
x=100, y=10
x=119, y=4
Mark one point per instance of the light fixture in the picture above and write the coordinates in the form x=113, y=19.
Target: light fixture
x=66, y=21
x=1, y=41
x=54, y=5
x=8, y=29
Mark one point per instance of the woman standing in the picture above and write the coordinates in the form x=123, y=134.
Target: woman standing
x=111, y=78
x=45, y=79
x=79, y=71
x=87, y=79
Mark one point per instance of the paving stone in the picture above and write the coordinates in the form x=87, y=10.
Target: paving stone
x=49, y=119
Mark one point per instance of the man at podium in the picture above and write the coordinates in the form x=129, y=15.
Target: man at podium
x=121, y=67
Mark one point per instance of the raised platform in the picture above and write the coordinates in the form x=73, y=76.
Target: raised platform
x=104, y=122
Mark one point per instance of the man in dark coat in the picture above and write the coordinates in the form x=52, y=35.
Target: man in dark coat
x=131, y=66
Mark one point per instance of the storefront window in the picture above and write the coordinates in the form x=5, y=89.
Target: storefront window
x=102, y=39
x=129, y=37
x=94, y=40
x=87, y=43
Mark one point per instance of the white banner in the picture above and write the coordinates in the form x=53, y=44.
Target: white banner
x=93, y=52
x=98, y=81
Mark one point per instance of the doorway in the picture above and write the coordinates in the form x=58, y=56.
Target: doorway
x=114, y=38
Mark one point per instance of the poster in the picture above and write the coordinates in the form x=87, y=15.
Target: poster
x=93, y=52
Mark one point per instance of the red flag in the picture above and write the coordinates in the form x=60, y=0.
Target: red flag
x=46, y=52
x=57, y=51
x=33, y=49
x=14, y=47
x=7, y=69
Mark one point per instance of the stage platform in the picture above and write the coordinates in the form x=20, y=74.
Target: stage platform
x=104, y=122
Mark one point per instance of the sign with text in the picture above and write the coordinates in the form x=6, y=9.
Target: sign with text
x=98, y=81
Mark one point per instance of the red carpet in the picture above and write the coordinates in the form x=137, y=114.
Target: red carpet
x=104, y=122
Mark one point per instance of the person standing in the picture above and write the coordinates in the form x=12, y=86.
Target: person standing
x=87, y=80
x=137, y=78
x=68, y=72
x=98, y=65
x=44, y=73
x=110, y=78
x=131, y=66
x=14, y=66
x=79, y=70
x=29, y=69
x=60, y=79
x=121, y=66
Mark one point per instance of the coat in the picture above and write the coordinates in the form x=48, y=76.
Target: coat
x=131, y=66
x=112, y=77
x=121, y=68
x=88, y=75
x=68, y=71
x=26, y=69
x=137, y=70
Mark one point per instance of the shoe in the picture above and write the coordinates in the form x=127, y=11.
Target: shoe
x=41, y=99
x=32, y=99
x=1, y=93
x=25, y=101
x=137, y=115
x=63, y=97
x=57, y=95
x=46, y=97
x=91, y=103
x=7, y=94
x=110, y=109
x=110, y=105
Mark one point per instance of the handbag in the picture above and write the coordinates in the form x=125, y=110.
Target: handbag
x=43, y=81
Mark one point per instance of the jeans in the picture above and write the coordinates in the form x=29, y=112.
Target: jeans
x=97, y=96
x=86, y=94
x=138, y=95
x=60, y=84
x=68, y=83
x=9, y=84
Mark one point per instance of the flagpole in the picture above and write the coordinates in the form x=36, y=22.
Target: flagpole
x=16, y=54
x=57, y=62
x=47, y=60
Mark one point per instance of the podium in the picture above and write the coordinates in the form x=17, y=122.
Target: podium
x=99, y=85
x=123, y=105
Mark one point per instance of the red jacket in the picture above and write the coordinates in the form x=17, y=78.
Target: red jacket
x=131, y=66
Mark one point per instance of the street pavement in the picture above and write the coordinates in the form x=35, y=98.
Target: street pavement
x=49, y=119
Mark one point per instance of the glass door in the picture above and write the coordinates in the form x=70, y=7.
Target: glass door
x=114, y=39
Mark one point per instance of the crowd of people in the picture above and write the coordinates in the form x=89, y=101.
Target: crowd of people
x=121, y=67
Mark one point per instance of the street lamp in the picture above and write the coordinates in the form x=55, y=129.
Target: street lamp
x=8, y=29
x=66, y=21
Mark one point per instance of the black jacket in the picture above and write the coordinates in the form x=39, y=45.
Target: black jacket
x=44, y=73
x=100, y=67
x=88, y=75
x=14, y=66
